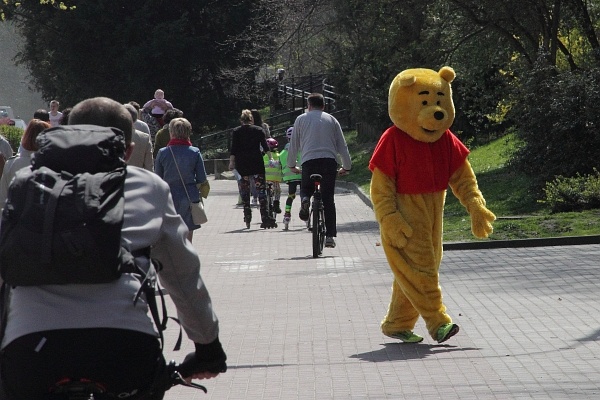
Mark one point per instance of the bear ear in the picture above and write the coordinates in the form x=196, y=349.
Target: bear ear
x=407, y=79
x=447, y=74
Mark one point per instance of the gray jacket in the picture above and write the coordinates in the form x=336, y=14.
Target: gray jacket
x=150, y=220
x=318, y=134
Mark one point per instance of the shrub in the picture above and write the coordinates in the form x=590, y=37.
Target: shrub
x=556, y=118
x=13, y=135
x=581, y=192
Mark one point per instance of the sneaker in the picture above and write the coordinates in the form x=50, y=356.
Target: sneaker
x=254, y=201
x=446, y=331
x=406, y=336
x=304, y=210
x=287, y=217
x=329, y=242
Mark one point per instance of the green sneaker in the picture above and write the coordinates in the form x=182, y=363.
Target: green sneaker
x=406, y=336
x=446, y=331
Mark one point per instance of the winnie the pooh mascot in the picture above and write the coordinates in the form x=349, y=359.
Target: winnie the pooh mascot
x=412, y=165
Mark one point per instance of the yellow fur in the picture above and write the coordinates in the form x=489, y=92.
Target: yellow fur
x=420, y=104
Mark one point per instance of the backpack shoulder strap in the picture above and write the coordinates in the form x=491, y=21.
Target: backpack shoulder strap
x=47, y=233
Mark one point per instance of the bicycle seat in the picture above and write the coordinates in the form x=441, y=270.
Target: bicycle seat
x=316, y=177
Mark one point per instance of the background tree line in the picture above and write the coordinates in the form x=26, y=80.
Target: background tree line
x=530, y=67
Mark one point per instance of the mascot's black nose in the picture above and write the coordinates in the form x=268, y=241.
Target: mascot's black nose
x=438, y=115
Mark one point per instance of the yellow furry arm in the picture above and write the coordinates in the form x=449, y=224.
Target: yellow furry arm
x=394, y=228
x=464, y=186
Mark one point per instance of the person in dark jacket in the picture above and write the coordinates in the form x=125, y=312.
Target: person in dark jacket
x=246, y=156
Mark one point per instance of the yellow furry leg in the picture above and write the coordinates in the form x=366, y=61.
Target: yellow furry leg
x=415, y=290
x=401, y=315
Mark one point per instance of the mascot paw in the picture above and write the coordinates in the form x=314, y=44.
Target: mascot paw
x=395, y=230
x=481, y=222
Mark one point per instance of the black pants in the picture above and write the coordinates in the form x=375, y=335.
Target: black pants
x=327, y=167
x=125, y=361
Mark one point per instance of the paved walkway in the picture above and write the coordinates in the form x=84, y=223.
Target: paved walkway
x=295, y=327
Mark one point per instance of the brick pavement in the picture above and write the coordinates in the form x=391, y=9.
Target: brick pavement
x=295, y=327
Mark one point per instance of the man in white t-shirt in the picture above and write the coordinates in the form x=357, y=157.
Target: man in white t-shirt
x=55, y=115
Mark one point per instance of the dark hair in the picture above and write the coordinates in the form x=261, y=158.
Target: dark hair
x=171, y=115
x=42, y=115
x=34, y=128
x=136, y=105
x=316, y=100
x=103, y=111
x=257, y=117
x=64, y=119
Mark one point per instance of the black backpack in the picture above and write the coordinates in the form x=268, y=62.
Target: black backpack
x=63, y=215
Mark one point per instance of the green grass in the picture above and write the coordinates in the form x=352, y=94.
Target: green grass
x=507, y=193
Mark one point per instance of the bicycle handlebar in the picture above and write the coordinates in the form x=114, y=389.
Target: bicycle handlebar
x=179, y=372
x=174, y=374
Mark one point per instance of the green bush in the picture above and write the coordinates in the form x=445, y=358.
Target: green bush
x=556, y=118
x=13, y=135
x=581, y=192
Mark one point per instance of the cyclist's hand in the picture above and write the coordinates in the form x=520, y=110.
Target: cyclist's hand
x=210, y=358
x=342, y=171
x=395, y=230
x=201, y=375
x=296, y=170
x=192, y=368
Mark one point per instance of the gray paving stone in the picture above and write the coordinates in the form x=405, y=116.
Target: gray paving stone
x=295, y=327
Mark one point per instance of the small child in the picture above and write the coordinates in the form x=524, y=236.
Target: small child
x=158, y=105
x=273, y=173
x=55, y=115
x=292, y=179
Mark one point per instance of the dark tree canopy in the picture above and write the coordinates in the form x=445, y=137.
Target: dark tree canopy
x=523, y=66
x=203, y=53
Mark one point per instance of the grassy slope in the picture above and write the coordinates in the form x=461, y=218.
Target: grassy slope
x=520, y=214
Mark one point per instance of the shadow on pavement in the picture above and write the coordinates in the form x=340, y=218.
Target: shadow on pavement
x=407, y=351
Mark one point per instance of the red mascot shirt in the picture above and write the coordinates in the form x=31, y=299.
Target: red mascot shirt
x=418, y=167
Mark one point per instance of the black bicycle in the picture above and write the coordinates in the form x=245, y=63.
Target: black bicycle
x=317, y=217
x=86, y=389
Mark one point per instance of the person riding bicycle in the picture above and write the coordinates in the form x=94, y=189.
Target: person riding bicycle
x=319, y=139
x=292, y=179
x=273, y=173
x=54, y=333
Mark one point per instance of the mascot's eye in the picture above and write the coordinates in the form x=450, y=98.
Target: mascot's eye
x=424, y=102
x=438, y=103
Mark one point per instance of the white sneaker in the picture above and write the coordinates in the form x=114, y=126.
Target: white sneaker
x=329, y=242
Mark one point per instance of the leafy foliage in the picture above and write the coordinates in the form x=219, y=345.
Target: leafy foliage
x=375, y=47
x=556, y=116
x=13, y=135
x=203, y=54
x=581, y=192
